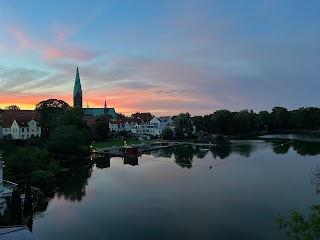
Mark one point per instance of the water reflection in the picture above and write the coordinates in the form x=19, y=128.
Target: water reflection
x=280, y=147
x=102, y=162
x=133, y=161
x=184, y=156
x=221, y=151
x=76, y=179
x=307, y=148
x=74, y=186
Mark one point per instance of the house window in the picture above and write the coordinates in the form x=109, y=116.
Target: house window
x=22, y=136
x=27, y=129
x=22, y=130
x=38, y=129
x=27, y=135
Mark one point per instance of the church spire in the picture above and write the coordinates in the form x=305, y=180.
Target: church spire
x=77, y=91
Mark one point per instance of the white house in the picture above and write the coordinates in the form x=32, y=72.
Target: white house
x=20, y=124
x=161, y=122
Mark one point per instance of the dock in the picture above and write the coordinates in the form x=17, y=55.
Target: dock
x=135, y=150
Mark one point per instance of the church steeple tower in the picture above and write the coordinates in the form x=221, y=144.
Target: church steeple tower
x=77, y=92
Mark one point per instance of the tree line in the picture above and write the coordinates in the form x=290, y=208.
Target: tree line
x=245, y=121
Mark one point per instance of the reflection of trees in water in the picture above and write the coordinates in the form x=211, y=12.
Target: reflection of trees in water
x=102, y=162
x=243, y=149
x=133, y=161
x=278, y=149
x=200, y=154
x=74, y=186
x=221, y=151
x=184, y=156
x=305, y=148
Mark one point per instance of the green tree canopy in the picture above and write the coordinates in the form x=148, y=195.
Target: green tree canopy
x=222, y=121
x=49, y=111
x=101, y=128
x=167, y=133
x=15, y=209
x=281, y=117
x=67, y=140
x=25, y=160
x=184, y=122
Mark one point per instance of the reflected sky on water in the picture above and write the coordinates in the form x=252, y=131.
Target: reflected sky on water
x=172, y=193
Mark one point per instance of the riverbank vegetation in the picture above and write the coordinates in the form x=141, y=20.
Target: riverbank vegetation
x=247, y=122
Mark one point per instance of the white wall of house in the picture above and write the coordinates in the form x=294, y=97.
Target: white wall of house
x=25, y=132
x=155, y=121
x=152, y=129
x=15, y=130
x=113, y=127
x=34, y=129
x=161, y=122
x=6, y=131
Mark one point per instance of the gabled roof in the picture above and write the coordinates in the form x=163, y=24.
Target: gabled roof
x=146, y=117
x=21, y=116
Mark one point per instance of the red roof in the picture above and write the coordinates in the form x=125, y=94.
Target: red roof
x=22, y=117
x=146, y=117
x=90, y=120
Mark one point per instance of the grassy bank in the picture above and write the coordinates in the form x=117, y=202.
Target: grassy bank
x=111, y=143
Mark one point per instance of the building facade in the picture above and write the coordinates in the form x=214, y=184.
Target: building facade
x=20, y=124
x=78, y=101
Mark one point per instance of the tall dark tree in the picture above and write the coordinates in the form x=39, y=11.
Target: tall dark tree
x=184, y=122
x=167, y=133
x=27, y=207
x=241, y=122
x=67, y=140
x=281, y=117
x=74, y=117
x=222, y=121
x=15, y=209
x=50, y=110
x=101, y=128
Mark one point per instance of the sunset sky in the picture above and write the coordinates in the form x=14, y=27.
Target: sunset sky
x=162, y=56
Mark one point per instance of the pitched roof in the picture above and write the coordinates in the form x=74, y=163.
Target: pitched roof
x=144, y=116
x=21, y=116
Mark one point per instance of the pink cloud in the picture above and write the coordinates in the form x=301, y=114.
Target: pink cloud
x=49, y=52
x=20, y=36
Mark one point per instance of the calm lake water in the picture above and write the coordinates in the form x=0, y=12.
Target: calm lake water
x=173, y=194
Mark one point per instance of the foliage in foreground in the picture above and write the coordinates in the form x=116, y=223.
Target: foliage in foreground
x=297, y=226
x=26, y=162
